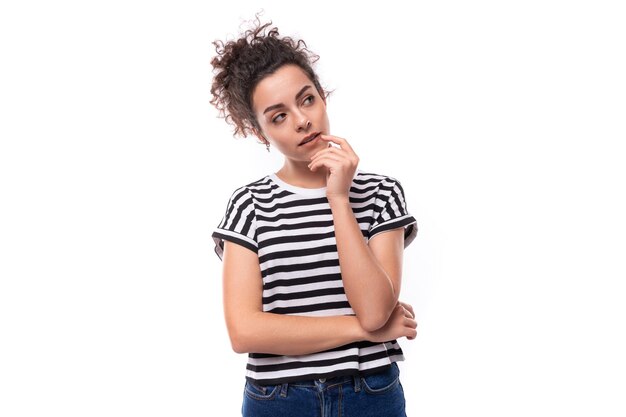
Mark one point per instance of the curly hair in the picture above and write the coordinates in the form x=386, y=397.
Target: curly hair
x=241, y=64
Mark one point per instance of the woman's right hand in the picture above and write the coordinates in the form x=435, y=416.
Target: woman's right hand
x=401, y=323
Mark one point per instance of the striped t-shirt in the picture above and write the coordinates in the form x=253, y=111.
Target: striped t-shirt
x=291, y=230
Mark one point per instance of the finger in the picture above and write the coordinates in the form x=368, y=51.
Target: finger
x=339, y=141
x=412, y=334
x=401, y=308
x=409, y=307
x=409, y=310
x=328, y=157
x=332, y=157
x=410, y=323
x=327, y=161
x=410, y=331
x=331, y=150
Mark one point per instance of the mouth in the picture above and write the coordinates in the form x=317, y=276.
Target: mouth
x=309, y=138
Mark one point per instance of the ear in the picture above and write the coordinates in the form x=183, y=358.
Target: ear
x=259, y=135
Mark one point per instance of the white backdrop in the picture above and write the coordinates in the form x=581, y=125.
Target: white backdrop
x=504, y=121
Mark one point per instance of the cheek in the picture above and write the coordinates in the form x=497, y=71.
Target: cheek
x=324, y=117
x=321, y=112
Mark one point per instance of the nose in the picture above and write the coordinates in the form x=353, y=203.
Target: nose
x=303, y=124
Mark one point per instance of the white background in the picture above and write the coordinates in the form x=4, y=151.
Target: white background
x=504, y=121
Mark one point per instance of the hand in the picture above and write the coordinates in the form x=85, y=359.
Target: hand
x=341, y=164
x=408, y=307
x=401, y=323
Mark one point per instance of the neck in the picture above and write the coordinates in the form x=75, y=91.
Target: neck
x=298, y=174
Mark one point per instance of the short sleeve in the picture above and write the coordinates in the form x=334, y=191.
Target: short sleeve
x=238, y=224
x=392, y=211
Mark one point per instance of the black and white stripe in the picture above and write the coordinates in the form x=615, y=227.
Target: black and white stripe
x=291, y=230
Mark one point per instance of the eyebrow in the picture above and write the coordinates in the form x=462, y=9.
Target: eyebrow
x=276, y=106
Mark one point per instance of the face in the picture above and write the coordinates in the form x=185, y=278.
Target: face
x=289, y=108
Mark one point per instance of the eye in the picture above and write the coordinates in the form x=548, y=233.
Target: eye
x=275, y=119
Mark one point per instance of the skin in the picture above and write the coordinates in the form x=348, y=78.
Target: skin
x=289, y=108
x=286, y=126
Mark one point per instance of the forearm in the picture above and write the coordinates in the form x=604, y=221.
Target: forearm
x=367, y=286
x=294, y=335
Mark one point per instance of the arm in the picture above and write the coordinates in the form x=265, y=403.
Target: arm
x=252, y=330
x=371, y=273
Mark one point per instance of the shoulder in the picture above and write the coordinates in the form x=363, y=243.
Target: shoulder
x=369, y=178
x=252, y=188
x=386, y=188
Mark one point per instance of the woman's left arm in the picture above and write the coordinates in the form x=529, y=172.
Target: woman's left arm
x=371, y=273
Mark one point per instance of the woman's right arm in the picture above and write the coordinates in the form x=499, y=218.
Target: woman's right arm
x=252, y=330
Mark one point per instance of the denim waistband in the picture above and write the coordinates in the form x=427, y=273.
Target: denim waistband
x=322, y=384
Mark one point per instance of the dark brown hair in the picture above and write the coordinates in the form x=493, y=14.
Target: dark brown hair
x=241, y=64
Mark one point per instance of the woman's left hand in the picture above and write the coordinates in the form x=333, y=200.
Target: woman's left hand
x=341, y=164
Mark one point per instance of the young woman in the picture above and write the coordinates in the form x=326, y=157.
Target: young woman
x=312, y=254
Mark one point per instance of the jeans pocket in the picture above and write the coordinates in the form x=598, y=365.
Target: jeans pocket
x=382, y=382
x=261, y=392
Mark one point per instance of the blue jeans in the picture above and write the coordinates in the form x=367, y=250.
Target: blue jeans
x=377, y=395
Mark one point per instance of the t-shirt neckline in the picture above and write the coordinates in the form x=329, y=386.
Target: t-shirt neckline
x=311, y=192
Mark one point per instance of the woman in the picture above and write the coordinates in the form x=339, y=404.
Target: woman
x=312, y=254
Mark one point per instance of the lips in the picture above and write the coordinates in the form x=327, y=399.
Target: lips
x=309, y=138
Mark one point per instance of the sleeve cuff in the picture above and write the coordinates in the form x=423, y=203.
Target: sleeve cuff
x=220, y=235
x=407, y=221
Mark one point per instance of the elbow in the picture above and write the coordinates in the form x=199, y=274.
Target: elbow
x=243, y=333
x=238, y=341
x=373, y=321
x=372, y=318
x=238, y=346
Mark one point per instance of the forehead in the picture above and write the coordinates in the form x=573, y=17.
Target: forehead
x=279, y=87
